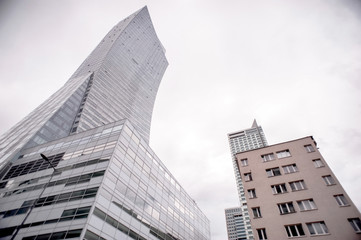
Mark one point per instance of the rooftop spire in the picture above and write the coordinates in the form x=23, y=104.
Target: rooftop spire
x=254, y=125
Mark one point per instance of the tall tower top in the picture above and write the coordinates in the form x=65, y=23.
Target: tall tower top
x=118, y=80
x=254, y=124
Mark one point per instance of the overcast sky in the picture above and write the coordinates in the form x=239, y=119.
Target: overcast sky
x=295, y=66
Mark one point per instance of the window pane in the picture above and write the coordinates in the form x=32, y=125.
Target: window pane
x=318, y=228
x=268, y=157
x=288, y=231
x=58, y=235
x=252, y=193
x=91, y=236
x=318, y=163
x=324, y=228
x=83, y=210
x=341, y=200
x=248, y=177
x=312, y=204
x=292, y=209
x=294, y=231
x=262, y=234
x=307, y=204
x=244, y=162
x=283, y=154
x=300, y=205
x=69, y=212
x=309, y=148
x=73, y=233
x=310, y=229
x=300, y=230
x=355, y=223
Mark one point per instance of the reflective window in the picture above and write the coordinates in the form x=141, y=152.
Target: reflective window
x=256, y=212
x=317, y=228
x=283, y=154
x=297, y=185
x=309, y=148
x=292, y=168
x=247, y=177
x=295, y=230
x=286, y=208
x=272, y=172
x=306, y=205
x=318, y=163
x=252, y=193
x=341, y=200
x=356, y=224
x=268, y=157
x=244, y=162
x=279, y=188
x=329, y=180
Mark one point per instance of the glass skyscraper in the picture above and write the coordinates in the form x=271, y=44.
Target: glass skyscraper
x=97, y=177
x=240, y=141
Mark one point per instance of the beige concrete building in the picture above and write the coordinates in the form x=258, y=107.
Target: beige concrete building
x=291, y=192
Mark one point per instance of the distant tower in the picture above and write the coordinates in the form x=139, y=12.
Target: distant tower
x=235, y=223
x=97, y=177
x=240, y=141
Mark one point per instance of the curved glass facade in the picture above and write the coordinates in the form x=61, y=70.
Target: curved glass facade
x=97, y=178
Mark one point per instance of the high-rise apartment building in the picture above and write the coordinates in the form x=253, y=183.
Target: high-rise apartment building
x=97, y=177
x=240, y=141
x=291, y=192
x=235, y=223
